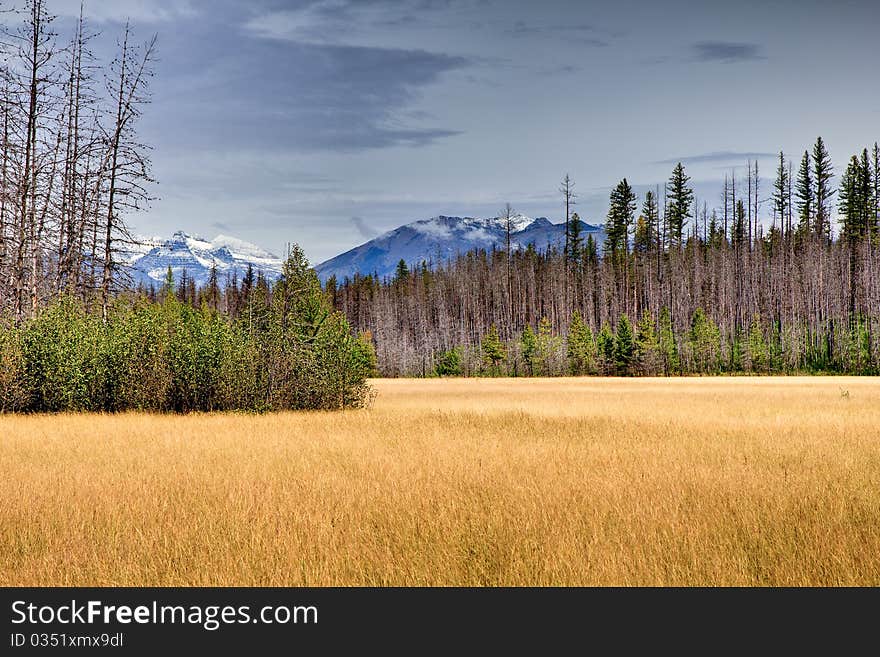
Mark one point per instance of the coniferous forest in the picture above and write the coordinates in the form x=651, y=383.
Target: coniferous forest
x=782, y=279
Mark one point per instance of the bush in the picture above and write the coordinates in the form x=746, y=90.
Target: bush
x=170, y=356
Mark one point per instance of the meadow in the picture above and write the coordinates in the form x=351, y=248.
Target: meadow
x=569, y=481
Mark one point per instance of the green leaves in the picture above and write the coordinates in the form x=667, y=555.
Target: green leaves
x=169, y=356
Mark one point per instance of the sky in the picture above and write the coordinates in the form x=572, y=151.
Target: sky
x=328, y=122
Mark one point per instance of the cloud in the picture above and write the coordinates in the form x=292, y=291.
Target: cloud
x=582, y=33
x=726, y=52
x=219, y=225
x=119, y=11
x=365, y=231
x=717, y=156
x=281, y=95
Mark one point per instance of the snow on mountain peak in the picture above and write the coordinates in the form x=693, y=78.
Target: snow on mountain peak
x=150, y=258
x=518, y=222
x=439, y=239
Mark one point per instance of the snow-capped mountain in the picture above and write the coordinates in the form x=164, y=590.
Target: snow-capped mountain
x=440, y=239
x=150, y=258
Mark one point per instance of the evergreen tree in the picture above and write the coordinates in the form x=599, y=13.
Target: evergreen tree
x=591, y=251
x=547, y=347
x=704, y=340
x=805, y=196
x=642, y=241
x=822, y=174
x=529, y=349
x=759, y=357
x=866, y=196
x=580, y=347
x=401, y=274
x=850, y=204
x=738, y=235
x=716, y=236
x=620, y=218
x=647, y=345
x=605, y=347
x=681, y=197
x=168, y=284
x=494, y=350
x=668, y=347
x=780, y=191
x=449, y=363
x=575, y=241
x=623, y=346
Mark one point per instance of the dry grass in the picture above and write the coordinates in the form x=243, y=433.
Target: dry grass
x=736, y=481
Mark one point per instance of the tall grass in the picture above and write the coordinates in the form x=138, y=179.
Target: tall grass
x=768, y=481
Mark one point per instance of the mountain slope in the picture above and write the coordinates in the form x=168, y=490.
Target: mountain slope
x=441, y=238
x=149, y=260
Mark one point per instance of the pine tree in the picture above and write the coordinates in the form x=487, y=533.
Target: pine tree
x=759, y=360
x=738, y=232
x=529, y=349
x=494, y=350
x=668, y=348
x=168, y=284
x=850, y=203
x=822, y=174
x=646, y=350
x=780, y=191
x=681, y=197
x=805, y=195
x=547, y=347
x=716, y=234
x=580, y=347
x=642, y=237
x=401, y=274
x=620, y=218
x=605, y=347
x=623, y=346
x=574, y=238
x=704, y=340
x=448, y=363
x=866, y=195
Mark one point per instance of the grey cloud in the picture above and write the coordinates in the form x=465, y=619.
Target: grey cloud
x=282, y=95
x=726, y=52
x=583, y=33
x=717, y=156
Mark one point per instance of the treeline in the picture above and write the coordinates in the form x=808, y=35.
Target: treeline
x=71, y=163
x=285, y=348
x=757, y=284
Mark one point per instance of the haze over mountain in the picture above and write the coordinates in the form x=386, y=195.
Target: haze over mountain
x=441, y=238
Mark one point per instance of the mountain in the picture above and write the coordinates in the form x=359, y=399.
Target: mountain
x=440, y=239
x=149, y=259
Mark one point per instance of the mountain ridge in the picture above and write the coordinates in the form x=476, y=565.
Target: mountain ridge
x=149, y=258
x=441, y=238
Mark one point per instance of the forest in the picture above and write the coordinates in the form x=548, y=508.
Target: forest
x=74, y=336
x=772, y=279
x=761, y=284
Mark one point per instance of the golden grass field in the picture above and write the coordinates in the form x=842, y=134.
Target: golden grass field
x=690, y=481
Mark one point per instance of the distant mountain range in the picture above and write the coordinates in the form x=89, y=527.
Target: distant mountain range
x=435, y=241
x=439, y=239
x=150, y=258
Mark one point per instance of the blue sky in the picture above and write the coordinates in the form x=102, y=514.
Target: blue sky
x=326, y=122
